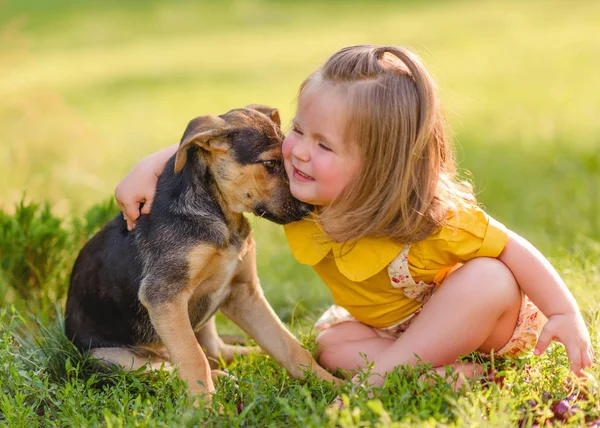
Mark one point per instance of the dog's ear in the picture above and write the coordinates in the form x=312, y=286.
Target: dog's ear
x=271, y=112
x=205, y=132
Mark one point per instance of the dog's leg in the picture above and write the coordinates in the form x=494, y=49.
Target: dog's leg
x=171, y=321
x=215, y=348
x=248, y=308
x=129, y=359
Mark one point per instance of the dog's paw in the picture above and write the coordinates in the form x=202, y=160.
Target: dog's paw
x=216, y=374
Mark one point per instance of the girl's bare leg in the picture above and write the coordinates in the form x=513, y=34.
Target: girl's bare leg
x=345, y=345
x=475, y=309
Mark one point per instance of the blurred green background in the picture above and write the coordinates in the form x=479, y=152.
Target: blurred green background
x=88, y=88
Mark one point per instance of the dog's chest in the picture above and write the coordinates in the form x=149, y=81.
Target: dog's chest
x=214, y=288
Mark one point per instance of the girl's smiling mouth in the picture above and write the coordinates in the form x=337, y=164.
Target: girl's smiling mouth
x=299, y=175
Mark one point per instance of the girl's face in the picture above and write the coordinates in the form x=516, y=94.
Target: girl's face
x=318, y=162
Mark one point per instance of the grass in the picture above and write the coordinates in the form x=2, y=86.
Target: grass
x=88, y=89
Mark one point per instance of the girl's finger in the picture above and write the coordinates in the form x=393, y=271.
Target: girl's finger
x=574, y=356
x=131, y=210
x=128, y=221
x=147, y=205
x=543, y=341
x=587, y=357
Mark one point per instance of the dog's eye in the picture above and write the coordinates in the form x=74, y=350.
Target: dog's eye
x=271, y=165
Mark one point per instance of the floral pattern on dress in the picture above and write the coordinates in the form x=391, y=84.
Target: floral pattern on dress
x=401, y=278
x=530, y=323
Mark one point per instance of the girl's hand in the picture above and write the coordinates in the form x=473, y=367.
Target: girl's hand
x=138, y=186
x=570, y=330
x=544, y=286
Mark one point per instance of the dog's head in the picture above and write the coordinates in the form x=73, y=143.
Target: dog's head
x=242, y=150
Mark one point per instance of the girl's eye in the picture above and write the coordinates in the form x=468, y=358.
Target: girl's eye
x=272, y=165
x=324, y=147
x=296, y=130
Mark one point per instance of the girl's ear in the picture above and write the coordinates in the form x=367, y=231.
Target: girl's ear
x=207, y=132
x=271, y=112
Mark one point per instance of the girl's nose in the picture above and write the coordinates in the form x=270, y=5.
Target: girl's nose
x=301, y=151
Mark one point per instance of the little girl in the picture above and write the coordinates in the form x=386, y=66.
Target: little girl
x=417, y=270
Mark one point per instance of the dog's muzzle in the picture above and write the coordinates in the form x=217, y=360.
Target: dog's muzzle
x=290, y=212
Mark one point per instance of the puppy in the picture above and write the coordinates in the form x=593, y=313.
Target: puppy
x=149, y=296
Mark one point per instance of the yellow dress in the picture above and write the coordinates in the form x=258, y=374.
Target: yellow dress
x=362, y=275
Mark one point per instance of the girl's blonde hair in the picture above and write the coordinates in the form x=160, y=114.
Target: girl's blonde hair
x=407, y=180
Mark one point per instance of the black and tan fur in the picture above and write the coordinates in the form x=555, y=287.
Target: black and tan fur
x=133, y=294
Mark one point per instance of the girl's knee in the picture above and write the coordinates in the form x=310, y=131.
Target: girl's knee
x=328, y=341
x=490, y=268
x=327, y=360
x=344, y=345
x=324, y=338
x=330, y=337
x=492, y=277
x=347, y=331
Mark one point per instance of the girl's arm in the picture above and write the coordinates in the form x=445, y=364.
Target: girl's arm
x=139, y=185
x=540, y=281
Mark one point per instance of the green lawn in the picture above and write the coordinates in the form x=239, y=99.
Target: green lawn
x=88, y=88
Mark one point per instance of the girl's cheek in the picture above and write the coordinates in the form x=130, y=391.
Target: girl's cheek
x=286, y=149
